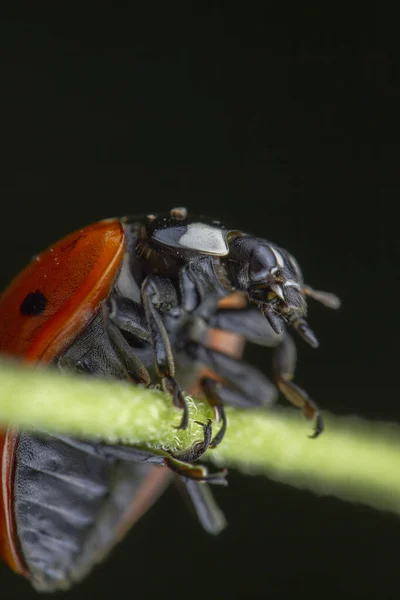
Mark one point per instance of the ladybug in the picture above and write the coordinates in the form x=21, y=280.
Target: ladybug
x=164, y=300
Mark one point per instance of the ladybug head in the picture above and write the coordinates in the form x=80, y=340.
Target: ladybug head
x=273, y=280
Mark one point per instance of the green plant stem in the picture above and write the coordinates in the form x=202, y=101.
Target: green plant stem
x=353, y=459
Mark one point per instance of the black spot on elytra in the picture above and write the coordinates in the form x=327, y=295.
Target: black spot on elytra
x=33, y=304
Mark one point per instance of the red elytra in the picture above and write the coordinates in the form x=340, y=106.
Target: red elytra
x=8, y=542
x=75, y=275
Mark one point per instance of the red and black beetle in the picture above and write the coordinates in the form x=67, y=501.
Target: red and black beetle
x=158, y=299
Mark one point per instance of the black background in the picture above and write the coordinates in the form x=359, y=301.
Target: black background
x=284, y=124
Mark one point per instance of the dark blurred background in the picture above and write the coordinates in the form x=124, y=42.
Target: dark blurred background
x=283, y=123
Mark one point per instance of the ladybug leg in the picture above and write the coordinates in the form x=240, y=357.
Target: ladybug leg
x=208, y=513
x=100, y=352
x=252, y=325
x=197, y=287
x=198, y=448
x=248, y=385
x=132, y=363
x=242, y=385
x=284, y=363
x=249, y=323
x=181, y=463
x=210, y=390
x=128, y=316
x=159, y=293
x=189, y=293
x=220, y=393
x=197, y=473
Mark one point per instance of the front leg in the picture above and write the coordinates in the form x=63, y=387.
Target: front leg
x=284, y=362
x=228, y=380
x=158, y=293
x=255, y=328
x=200, y=287
x=248, y=322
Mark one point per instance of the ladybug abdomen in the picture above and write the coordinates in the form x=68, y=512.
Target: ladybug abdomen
x=69, y=500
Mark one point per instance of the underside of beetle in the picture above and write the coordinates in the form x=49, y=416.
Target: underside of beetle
x=166, y=301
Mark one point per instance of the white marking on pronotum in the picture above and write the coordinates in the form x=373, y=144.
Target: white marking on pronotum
x=279, y=258
x=204, y=238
